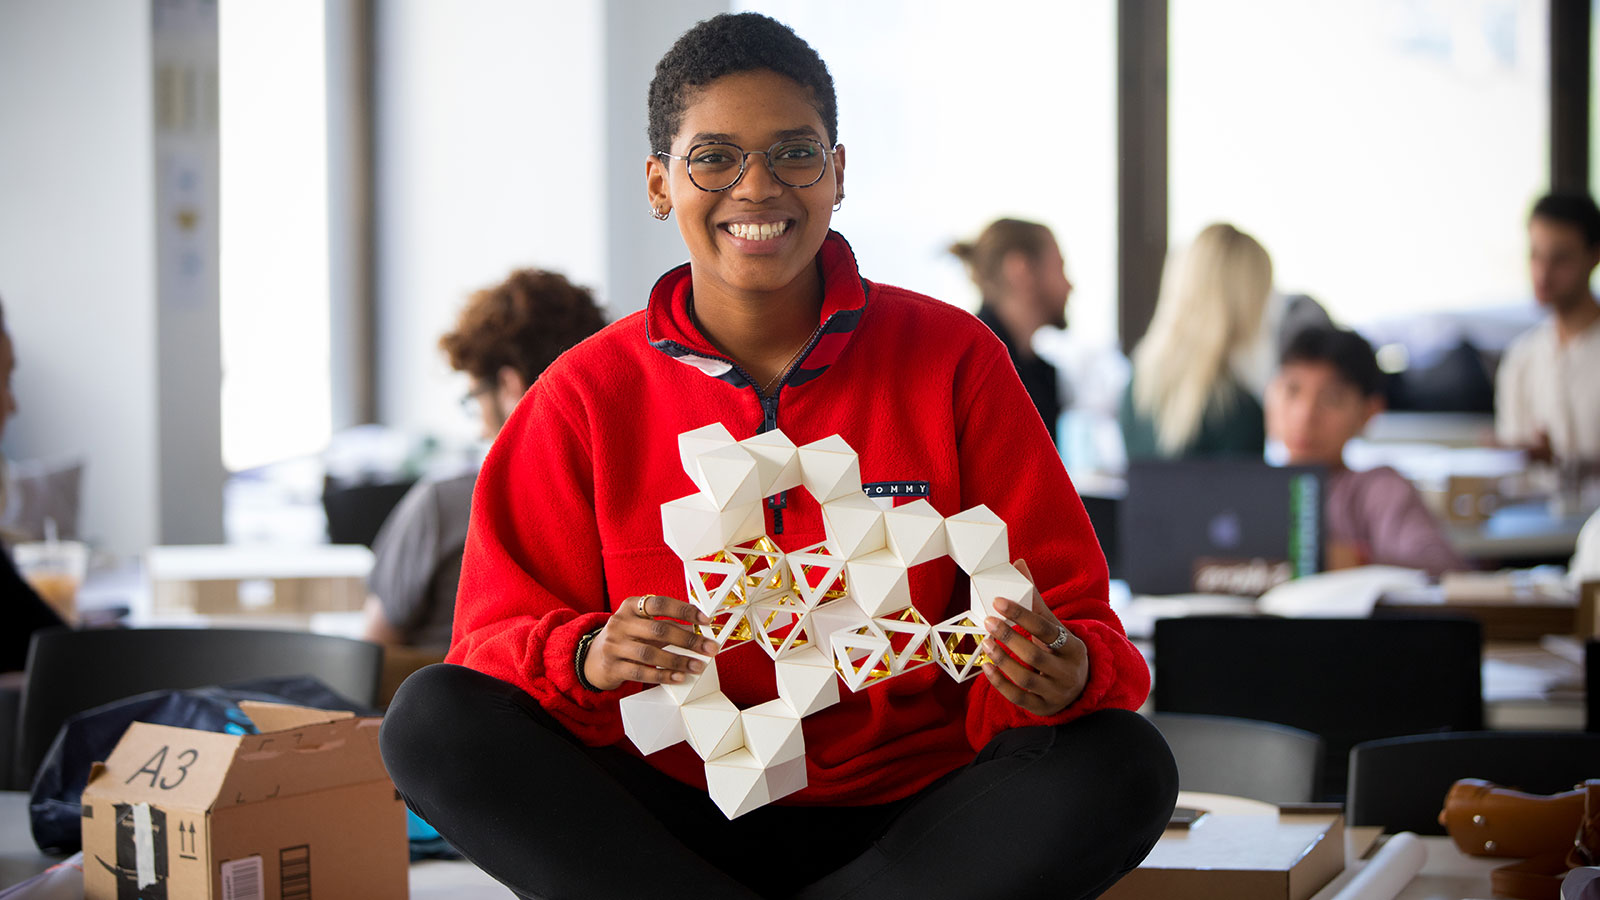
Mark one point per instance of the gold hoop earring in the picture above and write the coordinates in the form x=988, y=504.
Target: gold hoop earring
x=660, y=214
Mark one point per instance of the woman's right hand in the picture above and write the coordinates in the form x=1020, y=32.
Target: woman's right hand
x=632, y=645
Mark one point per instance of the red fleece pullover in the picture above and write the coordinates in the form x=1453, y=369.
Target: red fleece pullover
x=566, y=521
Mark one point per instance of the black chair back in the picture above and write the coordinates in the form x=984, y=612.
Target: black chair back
x=1400, y=783
x=71, y=671
x=1345, y=680
x=1591, y=678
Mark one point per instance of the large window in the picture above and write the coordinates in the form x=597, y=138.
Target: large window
x=1385, y=152
x=954, y=114
x=274, y=231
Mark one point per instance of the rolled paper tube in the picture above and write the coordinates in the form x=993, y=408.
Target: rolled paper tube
x=1389, y=871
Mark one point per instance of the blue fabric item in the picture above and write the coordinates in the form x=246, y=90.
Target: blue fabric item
x=89, y=736
x=418, y=830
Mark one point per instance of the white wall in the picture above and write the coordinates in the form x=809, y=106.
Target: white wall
x=77, y=258
x=638, y=248
x=489, y=156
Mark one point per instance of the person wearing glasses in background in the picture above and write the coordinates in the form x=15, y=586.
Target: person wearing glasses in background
x=505, y=337
x=1034, y=779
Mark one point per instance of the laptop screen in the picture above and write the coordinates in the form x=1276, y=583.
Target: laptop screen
x=1222, y=527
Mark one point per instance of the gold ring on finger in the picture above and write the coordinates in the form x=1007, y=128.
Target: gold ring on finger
x=640, y=604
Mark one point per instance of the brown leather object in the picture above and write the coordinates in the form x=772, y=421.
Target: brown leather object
x=1486, y=820
x=1586, y=846
x=1538, y=878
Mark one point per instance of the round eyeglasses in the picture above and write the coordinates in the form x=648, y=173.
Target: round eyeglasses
x=797, y=162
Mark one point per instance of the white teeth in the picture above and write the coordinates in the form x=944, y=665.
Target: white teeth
x=762, y=232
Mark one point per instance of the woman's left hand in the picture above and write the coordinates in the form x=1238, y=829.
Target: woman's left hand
x=1033, y=676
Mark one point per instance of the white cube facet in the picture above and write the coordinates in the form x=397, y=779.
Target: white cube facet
x=995, y=582
x=915, y=532
x=727, y=475
x=713, y=725
x=829, y=469
x=977, y=539
x=854, y=526
x=772, y=732
x=736, y=783
x=652, y=720
x=777, y=461
x=692, y=527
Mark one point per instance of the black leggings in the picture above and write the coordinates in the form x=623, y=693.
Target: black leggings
x=1049, y=811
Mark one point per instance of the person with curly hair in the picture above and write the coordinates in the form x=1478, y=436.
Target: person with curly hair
x=1034, y=779
x=506, y=336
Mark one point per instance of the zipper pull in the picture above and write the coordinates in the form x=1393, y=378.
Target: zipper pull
x=769, y=413
x=778, y=503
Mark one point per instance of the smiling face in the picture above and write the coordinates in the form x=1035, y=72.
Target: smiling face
x=761, y=236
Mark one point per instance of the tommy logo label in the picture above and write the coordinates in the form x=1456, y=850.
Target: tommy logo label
x=879, y=489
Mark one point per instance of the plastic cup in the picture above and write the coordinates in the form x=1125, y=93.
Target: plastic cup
x=55, y=569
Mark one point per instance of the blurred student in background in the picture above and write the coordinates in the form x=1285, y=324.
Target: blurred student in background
x=1022, y=278
x=20, y=607
x=1188, y=397
x=1327, y=389
x=1547, y=390
x=506, y=336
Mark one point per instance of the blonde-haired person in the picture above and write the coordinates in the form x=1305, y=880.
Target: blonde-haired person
x=1022, y=278
x=1190, y=393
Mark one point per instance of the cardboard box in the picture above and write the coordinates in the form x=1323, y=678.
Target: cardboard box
x=1240, y=857
x=302, y=811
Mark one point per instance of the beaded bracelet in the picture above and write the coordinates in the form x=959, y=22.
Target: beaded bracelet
x=580, y=655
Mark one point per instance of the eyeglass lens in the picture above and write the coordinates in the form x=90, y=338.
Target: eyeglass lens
x=797, y=163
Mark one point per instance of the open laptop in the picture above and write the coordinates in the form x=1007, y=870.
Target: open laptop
x=1219, y=527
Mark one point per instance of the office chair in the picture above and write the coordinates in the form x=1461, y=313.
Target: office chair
x=1400, y=783
x=1242, y=758
x=356, y=512
x=1345, y=680
x=71, y=671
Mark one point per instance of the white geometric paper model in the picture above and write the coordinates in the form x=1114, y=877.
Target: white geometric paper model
x=835, y=611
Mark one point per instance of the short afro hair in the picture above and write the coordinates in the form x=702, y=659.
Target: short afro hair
x=524, y=322
x=730, y=43
x=1347, y=352
x=1574, y=208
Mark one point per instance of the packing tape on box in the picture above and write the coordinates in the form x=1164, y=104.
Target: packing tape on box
x=144, y=847
x=1389, y=871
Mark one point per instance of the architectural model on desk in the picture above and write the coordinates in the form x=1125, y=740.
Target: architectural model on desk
x=838, y=610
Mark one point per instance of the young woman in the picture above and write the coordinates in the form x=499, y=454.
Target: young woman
x=1033, y=780
x=1190, y=395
